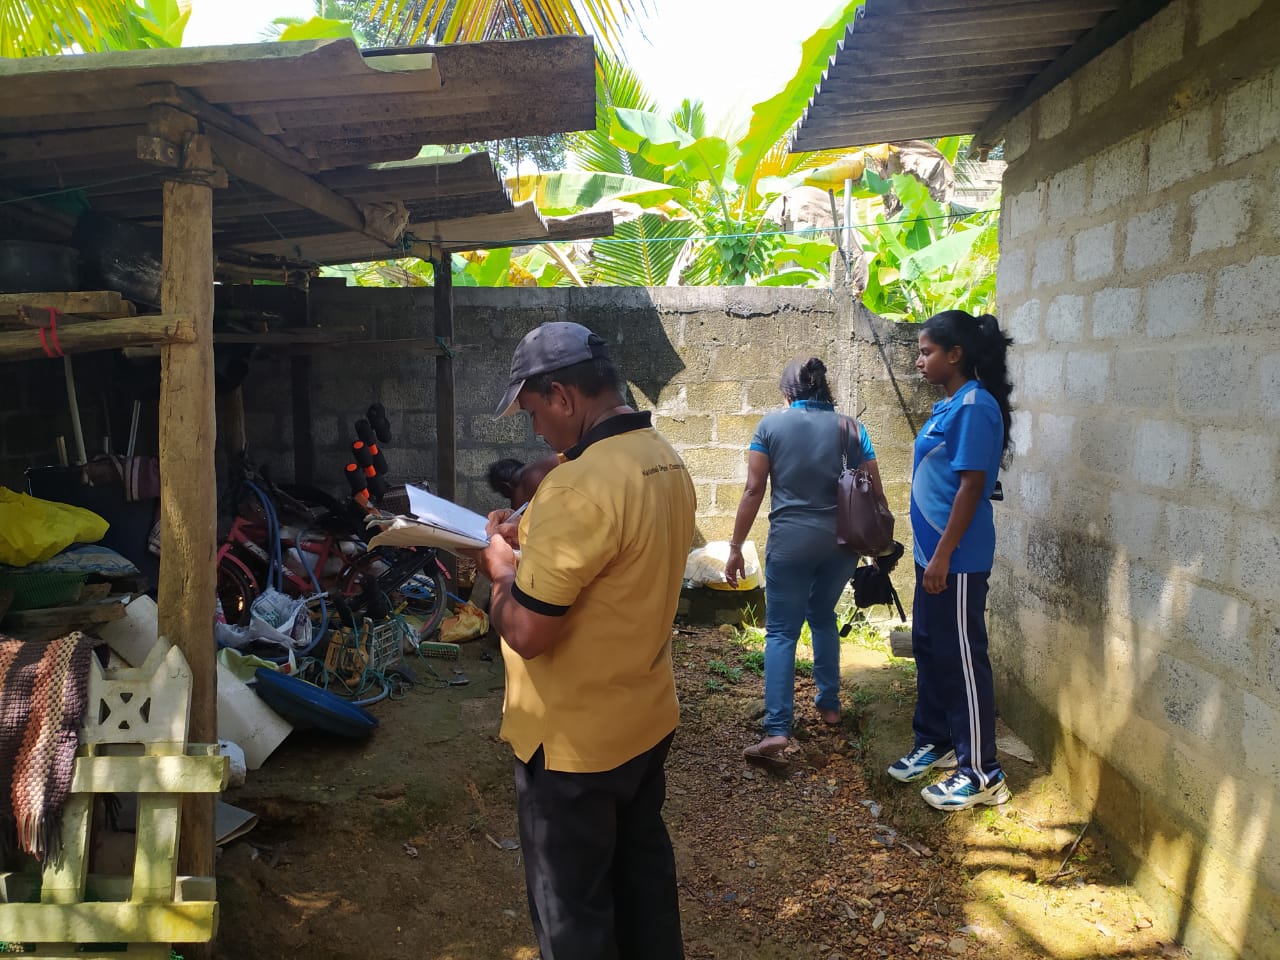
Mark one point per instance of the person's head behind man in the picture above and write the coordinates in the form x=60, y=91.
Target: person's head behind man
x=561, y=375
x=517, y=481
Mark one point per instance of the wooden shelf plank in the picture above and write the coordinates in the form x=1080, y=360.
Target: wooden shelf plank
x=102, y=888
x=84, y=302
x=101, y=335
x=109, y=922
x=149, y=775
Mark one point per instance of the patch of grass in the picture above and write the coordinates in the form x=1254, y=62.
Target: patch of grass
x=747, y=637
x=722, y=669
x=753, y=660
x=855, y=628
x=804, y=668
x=714, y=686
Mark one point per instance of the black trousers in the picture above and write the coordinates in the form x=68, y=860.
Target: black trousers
x=598, y=862
x=955, y=695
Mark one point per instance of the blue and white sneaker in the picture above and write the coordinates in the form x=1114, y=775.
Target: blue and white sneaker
x=958, y=792
x=920, y=761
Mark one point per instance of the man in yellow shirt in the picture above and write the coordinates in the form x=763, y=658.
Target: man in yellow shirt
x=585, y=618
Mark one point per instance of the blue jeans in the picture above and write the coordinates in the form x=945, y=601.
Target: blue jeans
x=801, y=584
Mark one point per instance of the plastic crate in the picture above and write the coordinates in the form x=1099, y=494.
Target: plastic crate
x=35, y=589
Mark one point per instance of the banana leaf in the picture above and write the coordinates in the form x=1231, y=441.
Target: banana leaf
x=559, y=194
x=941, y=253
x=655, y=138
x=705, y=159
x=774, y=118
x=793, y=278
x=318, y=28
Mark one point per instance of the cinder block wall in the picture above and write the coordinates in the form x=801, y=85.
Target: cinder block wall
x=1134, y=607
x=706, y=361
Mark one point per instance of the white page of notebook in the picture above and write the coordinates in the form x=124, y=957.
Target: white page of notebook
x=445, y=514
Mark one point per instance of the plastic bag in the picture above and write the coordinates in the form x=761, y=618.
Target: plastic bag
x=275, y=619
x=469, y=623
x=705, y=566
x=32, y=529
x=282, y=618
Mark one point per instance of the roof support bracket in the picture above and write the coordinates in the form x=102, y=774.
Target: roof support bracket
x=173, y=141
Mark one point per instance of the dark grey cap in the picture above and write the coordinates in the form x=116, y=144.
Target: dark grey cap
x=551, y=346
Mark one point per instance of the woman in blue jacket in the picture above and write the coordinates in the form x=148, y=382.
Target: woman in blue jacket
x=958, y=453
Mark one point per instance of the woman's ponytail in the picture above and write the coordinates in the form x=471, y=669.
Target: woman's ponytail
x=986, y=353
x=991, y=364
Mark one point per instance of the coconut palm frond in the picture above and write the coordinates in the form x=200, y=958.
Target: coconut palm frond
x=460, y=21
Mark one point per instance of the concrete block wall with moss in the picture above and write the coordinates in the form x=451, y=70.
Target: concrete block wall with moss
x=706, y=361
x=1135, y=629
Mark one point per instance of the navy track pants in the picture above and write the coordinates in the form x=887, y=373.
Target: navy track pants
x=955, y=699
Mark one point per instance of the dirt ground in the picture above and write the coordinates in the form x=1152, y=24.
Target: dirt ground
x=404, y=846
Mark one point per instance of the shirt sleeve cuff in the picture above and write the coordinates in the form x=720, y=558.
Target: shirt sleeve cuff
x=536, y=605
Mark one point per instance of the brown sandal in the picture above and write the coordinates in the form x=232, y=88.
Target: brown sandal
x=767, y=757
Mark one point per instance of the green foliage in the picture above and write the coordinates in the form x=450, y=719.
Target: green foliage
x=804, y=668
x=857, y=630
x=36, y=28
x=754, y=662
x=722, y=669
x=689, y=206
x=925, y=258
x=318, y=28
x=461, y=21
x=773, y=119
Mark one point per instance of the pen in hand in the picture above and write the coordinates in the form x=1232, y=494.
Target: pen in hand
x=516, y=514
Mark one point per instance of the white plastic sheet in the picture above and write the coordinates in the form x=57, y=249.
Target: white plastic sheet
x=705, y=566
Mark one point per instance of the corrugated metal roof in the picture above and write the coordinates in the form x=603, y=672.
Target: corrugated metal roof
x=912, y=69
x=319, y=141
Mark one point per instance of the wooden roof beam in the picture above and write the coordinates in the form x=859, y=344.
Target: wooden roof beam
x=251, y=155
x=1106, y=34
x=996, y=20
x=250, y=162
x=168, y=94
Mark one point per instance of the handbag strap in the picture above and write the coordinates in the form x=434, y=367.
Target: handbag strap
x=844, y=438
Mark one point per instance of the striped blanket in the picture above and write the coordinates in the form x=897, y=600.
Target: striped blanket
x=43, y=693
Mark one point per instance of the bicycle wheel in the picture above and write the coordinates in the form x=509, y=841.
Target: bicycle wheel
x=236, y=592
x=429, y=590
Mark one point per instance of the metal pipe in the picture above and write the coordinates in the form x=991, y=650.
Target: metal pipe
x=76, y=431
x=848, y=219
x=133, y=427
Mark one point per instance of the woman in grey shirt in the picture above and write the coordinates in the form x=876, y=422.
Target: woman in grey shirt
x=800, y=452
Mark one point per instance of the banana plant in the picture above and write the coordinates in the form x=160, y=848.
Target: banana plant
x=687, y=204
x=923, y=260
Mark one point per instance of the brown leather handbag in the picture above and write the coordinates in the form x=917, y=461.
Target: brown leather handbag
x=864, y=524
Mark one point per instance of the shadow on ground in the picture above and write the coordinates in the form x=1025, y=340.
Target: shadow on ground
x=404, y=846
x=1037, y=881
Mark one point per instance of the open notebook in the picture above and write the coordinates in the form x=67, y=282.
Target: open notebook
x=437, y=522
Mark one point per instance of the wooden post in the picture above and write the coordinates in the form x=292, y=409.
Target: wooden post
x=304, y=452
x=231, y=429
x=188, y=520
x=446, y=435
